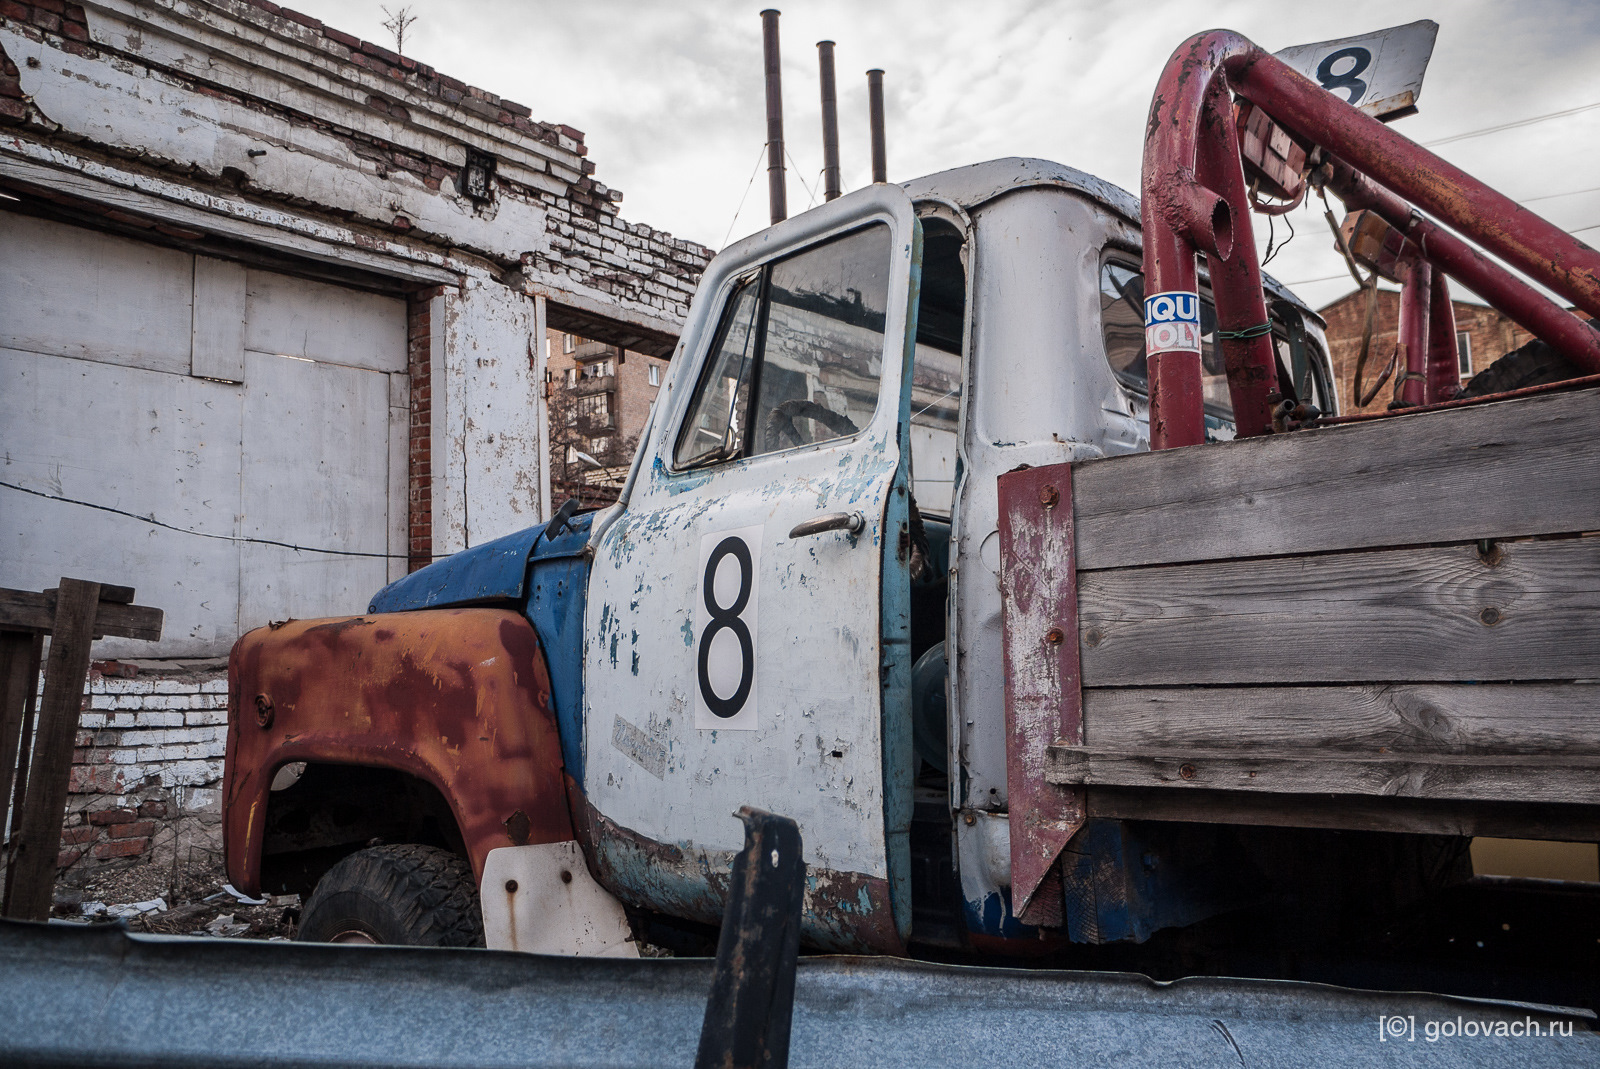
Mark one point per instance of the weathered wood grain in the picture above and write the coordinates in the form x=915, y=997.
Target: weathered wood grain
x=36, y=611
x=19, y=678
x=1529, y=611
x=1401, y=718
x=1509, y=820
x=1563, y=779
x=30, y=878
x=1520, y=467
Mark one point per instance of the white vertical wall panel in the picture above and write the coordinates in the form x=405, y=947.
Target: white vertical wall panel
x=295, y=317
x=486, y=393
x=147, y=442
x=315, y=473
x=80, y=293
x=217, y=344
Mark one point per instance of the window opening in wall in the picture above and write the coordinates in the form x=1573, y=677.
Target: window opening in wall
x=655, y=374
x=477, y=177
x=1464, y=353
x=568, y=343
x=804, y=337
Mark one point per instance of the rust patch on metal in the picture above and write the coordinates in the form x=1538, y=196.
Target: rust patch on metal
x=844, y=912
x=519, y=827
x=459, y=698
x=1044, y=694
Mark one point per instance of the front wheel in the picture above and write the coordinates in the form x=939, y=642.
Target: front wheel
x=405, y=895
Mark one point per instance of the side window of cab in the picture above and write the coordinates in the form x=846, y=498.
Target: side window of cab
x=797, y=355
x=1301, y=367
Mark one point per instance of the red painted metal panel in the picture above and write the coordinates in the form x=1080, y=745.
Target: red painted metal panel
x=1044, y=691
x=459, y=698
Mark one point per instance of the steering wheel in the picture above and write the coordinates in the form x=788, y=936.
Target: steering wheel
x=779, y=423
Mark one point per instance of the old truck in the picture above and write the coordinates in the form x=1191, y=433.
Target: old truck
x=896, y=558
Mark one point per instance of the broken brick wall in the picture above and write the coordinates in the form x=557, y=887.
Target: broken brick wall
x=146, y=780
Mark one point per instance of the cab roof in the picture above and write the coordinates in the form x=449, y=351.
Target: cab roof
x=979, y=183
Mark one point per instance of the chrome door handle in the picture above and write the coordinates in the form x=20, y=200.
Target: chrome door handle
x=853, y=522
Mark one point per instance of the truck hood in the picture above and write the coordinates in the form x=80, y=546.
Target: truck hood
x=493, y=572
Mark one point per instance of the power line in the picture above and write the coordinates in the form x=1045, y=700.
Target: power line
x=203, y=534
x=1511, y=125
x=1553, y=196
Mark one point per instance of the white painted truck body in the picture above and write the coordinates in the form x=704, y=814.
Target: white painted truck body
x=824, y=734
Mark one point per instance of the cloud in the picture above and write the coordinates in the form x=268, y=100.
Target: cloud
x=670, y=95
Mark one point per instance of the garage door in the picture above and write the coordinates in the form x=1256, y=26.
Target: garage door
x=227, y=414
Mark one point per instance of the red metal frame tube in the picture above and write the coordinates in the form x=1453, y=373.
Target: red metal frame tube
x=1547, y=253
x=1527, y=307
x=1444, y=366
x=1416, y=295
x=1203, y=69
x=1236, y=280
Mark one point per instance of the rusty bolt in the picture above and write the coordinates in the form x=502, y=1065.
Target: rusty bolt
x=1490, y=616
x=566, y=877
x=263, y=711
x=1048, y=496
x=511, y=887
x=971, y=819
x=1055, y=636
x=1186, y=771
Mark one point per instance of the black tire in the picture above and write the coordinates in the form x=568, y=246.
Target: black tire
x=405, y=895
x=1535, y=364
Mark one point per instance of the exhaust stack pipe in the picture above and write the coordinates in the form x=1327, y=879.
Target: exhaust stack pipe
x=776, y=191
x=880, y=163
x=830, y=123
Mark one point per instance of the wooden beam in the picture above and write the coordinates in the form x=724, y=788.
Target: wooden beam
x=19, y=680
x=32, y=872
x=1402, y=718
x=35, y=611
x=1569, y=823
x=1511, y=468
x=1527, y=611
x=1555, y=779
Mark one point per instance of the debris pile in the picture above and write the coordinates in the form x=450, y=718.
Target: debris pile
x=162, y=901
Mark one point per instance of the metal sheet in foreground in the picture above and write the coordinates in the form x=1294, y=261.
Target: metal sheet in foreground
x=92, y=997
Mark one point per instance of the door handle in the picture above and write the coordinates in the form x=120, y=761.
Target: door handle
x=853, y=522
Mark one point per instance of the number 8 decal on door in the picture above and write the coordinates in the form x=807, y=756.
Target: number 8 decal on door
x=725, y=630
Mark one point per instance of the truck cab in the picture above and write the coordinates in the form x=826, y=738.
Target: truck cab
x=795, y=604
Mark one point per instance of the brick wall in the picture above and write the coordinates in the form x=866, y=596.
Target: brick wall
x=1492, y=333
x=146, y=780
x=419, y=488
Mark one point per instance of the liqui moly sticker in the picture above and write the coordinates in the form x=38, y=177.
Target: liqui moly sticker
x=1172, y=322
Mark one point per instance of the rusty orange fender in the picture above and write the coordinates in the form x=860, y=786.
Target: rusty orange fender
x=459, y=698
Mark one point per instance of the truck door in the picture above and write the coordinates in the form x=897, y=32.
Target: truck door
x=747, y=617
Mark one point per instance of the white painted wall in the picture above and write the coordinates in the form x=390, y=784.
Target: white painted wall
x=487, y=391
x=98, y=338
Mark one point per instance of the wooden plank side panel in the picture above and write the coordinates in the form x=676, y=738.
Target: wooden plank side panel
x=1510, y=778
x=1506, y=820
x=1512, y=468
x=1529, y=611
x=1405, y=718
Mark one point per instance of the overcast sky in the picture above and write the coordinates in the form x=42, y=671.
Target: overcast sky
x=670, y=94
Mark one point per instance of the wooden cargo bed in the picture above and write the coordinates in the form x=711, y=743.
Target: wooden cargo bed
x=1392, y=624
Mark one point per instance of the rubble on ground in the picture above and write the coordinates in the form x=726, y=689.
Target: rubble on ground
x=162, y=900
